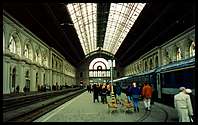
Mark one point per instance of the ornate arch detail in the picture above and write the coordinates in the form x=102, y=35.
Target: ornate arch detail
x=192, y=49
x=38, y=55
x=45, y=58
x=28, y=49
x=15, y=36
x=178, y=53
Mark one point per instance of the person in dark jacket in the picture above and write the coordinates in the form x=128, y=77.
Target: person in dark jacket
x=95, y=92
x=128, y=93
x=135, y=94
x=118, y=92
x=104, y=94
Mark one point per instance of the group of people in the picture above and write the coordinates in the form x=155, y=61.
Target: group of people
x=182, y=100
x=103, y=90
x=133, y=93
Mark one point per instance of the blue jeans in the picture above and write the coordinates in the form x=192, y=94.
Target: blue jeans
x=135, y=102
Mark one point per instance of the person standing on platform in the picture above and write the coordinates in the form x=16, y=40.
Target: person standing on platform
x=147, y=94
x=104, y=94
x=182, y=103
x=108, y=89
x=135, y=94
x=128, y=93
x=118, y=92
x=95, y=93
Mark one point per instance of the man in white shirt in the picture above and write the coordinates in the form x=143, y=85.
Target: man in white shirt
x=183, y=105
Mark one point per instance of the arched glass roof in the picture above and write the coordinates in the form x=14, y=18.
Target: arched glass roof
x=121, y=18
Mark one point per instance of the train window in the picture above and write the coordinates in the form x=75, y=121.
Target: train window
x=179, y=78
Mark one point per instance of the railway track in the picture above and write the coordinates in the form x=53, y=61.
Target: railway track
x=148, y=113
x=10, y=104
x=43, y=108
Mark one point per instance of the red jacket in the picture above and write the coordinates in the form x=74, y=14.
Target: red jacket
x=147, y=91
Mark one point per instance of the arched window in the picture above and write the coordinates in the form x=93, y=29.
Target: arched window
x=168, y=59
x=45, y=61
x=178, y=54
x=26, y=51
x=38, y=55
x=99, y=68
x=12, y=45
x=192, y=49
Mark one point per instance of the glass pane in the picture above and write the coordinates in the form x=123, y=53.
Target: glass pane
x=121, y=19
x=84, y=19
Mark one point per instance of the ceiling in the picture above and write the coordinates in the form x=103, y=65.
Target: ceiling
x=157, y=23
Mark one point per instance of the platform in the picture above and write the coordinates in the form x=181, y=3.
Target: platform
x=82, y=109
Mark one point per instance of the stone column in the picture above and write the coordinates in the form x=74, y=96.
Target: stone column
x=173, y=54
x=40, y=76
x=50, y=77
x=159, y=54
x=33, y=78
x=47, y=77
x=50, y=67
x=6, y=75
x=21, y=76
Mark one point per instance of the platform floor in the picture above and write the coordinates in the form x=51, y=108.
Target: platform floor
x=82, y=109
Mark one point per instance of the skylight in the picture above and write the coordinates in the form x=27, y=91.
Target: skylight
x=84, y=18
x=121, y=18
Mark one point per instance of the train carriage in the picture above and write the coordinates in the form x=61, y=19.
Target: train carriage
x=166, y=80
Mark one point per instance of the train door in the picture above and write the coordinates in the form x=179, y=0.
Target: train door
x=158, y=86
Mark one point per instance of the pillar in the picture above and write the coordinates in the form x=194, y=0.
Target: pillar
x=6, y=75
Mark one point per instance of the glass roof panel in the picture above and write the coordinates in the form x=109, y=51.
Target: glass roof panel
x=83, y=16
x=121, y=19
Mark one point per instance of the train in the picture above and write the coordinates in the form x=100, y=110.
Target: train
x=166, y=80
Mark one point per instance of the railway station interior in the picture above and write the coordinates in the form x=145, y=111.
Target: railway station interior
x=96, y=62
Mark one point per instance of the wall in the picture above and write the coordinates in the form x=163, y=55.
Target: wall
x=32, y=55
x=164, y=54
